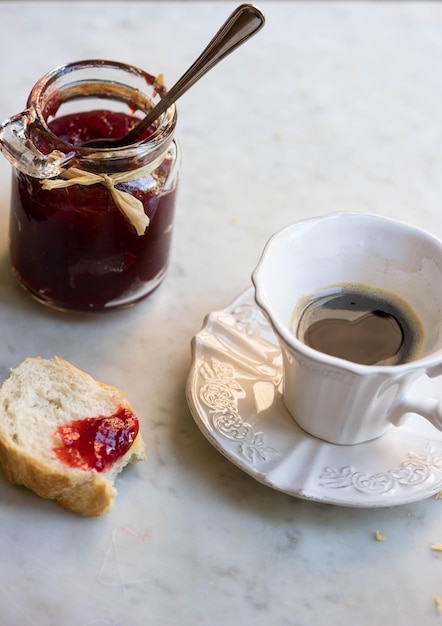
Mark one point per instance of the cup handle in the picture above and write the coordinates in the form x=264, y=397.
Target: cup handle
x=430, y=408
x=21, y=152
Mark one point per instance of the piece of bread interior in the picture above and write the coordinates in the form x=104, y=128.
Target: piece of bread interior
x=39, y=397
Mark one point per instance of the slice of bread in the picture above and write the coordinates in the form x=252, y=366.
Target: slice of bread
x=46, y=406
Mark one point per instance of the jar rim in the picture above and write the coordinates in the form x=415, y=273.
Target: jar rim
x=51, y=84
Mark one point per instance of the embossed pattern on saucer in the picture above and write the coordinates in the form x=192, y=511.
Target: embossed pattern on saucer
x=234, y=393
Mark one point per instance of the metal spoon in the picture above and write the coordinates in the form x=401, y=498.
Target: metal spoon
x=244, y=22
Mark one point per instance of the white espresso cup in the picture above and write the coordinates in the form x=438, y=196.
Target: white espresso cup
x=330, y=397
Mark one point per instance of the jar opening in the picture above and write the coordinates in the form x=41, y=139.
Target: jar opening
x=119, y=92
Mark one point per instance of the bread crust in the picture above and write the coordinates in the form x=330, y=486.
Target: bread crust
x=85, y=492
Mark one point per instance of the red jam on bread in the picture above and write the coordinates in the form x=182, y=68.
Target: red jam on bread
x=96, y=443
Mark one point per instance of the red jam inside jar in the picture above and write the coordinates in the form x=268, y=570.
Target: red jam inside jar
x=96, y=443
x=72, y=248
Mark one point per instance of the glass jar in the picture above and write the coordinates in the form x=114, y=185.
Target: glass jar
x=91, y=229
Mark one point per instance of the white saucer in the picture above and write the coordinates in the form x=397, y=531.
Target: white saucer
x=233, y=391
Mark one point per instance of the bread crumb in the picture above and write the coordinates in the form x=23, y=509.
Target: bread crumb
x=438, y=495
x=438, y=602
x=437, y=547
x=379, y=537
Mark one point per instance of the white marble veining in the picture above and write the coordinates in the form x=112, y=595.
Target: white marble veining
x=333, y=106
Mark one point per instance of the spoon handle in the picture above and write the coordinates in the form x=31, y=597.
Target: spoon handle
x=245, y=21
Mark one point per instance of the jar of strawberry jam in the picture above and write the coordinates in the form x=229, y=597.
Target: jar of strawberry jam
x=91, y=229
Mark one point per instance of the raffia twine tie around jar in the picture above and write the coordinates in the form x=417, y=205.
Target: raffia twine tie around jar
x=130, y=207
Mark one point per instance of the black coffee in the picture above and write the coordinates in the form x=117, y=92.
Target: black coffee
x=360, y=324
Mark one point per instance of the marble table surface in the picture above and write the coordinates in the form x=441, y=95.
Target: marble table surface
x=333, y=106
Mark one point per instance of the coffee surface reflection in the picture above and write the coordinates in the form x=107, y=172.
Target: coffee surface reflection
x=359, y=324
